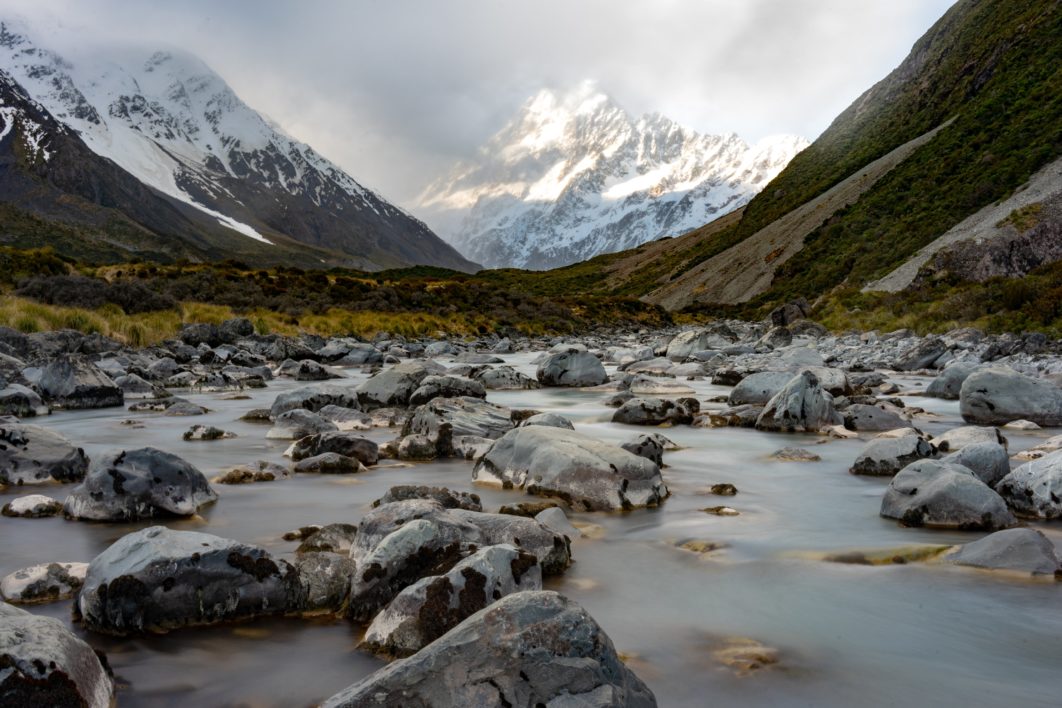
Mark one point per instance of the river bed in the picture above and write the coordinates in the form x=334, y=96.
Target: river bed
x=843, y=634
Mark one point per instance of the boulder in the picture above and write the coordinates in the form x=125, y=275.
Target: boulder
x=1034, y=489
x=1021, y=550
x=466, y=416
x=657, y=411
x=432, y=606
x=884, y=457
x=134, y=386
x=759, y=388
x=505, y=378
x=552, y=420
x=299, y=423
x=22, y=402
x=207, y=433
x=650, y=446
x=446, y=387
x=30, y=454
x=329, y=463
x=527, y=649
x=43, y=583
x=958, y=438
x=32, y=506
x=555, y=519
x=948, y=384
x=942, y=495
x=325, y=579
x=998, y=396
x=393, y=386
x=43, y=664
x=347, y=444
x=686, y=343
x=801, y=406
x=73, y=382
x=447, y=498
x=988, y=461
x=313, y=399
x=332, y=538
x=126, y=485
x=156, y=580
x=863, y=417
x=572, y=368
x=921, y=355
x=585, y=472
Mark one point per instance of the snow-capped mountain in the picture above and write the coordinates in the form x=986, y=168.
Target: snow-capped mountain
x=574, y=175
x=171, y=122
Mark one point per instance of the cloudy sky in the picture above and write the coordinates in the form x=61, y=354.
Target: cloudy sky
x=396, y=91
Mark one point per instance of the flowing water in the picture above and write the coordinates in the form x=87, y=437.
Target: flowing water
x=845, y=635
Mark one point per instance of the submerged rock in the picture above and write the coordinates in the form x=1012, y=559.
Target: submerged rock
x=43, y=664
x=583, y=471
x=259, y=471
x=527, y=649
x=127, y=485
x=156, y=580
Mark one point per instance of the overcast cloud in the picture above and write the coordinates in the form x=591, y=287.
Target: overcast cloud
x=396, y=91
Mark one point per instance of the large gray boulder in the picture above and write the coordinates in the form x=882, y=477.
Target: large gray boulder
x=505, y=378
x=156, y=580
x=313, y=399
x=684, y=344
x=989, y=461
x=885, y=457
x=446, y=386
x=585, y=472
x=17, y=400
x=657, y=411
x=344, y=443
x=527, y=649
x=759, y=388
x=397, y=544
x=43, y=664
x=393, y=386
x=73, y=382
x=1020, y=550
x=863, y=417
x=948, y=384
x=942, y=495
x=920, y=356
x=30, y=454
x=801, y=406
x=571, y=368
x=998, y=396
x=1035, y=489
x=958, y=438
x=433, y=606
x=466, y=416
x=126, y=485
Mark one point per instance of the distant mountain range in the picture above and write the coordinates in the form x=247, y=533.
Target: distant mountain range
x=573, y=175
x=132, y=152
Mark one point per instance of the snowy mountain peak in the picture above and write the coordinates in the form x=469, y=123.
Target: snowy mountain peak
x=573, y=175
x=173, y=123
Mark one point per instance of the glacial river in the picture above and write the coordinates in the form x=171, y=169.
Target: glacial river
x=844, y=635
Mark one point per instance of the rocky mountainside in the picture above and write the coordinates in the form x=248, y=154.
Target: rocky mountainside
x=574, y=175
x=173, y=124
x=969, y=119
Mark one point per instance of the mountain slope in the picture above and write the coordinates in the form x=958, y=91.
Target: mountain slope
x=988, y=74
x=55, y=191
x=573, y=176
x=175, y=125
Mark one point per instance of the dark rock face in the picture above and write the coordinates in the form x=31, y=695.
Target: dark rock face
x=72, y=382
x=432, y=606
x=347, y=444
x=43, y=664
x=30, y=454
x=790, y=312
x=156, y=580
x=527, y=649
x=144, y=483
x=1009, y=256
x=585, y=472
